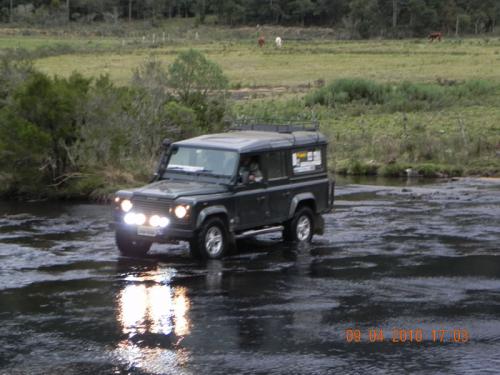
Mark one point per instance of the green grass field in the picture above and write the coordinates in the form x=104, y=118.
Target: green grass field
x=359, y=133
x=297, y=63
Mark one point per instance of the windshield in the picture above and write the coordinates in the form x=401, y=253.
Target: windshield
x=218, y=163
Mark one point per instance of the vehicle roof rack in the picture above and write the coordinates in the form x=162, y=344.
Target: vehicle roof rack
x=281, y=127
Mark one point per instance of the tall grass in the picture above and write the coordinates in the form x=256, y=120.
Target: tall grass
x=400, y=97
x=444, y=129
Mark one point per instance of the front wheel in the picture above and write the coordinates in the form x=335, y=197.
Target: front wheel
x=212, y=240
x=130, y=246
x=301, y=227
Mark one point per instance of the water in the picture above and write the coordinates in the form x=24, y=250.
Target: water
x=412, y=257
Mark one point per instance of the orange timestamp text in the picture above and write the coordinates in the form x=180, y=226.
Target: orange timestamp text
x=405, y=335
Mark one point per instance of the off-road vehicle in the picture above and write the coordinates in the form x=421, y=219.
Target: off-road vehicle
x=214, y=189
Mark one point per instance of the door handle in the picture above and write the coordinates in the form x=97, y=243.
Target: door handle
x=286, y=194
x=261, y=198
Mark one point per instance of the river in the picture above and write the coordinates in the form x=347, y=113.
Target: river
x=405, y=279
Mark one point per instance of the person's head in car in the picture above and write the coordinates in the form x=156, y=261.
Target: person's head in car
x=250, y=170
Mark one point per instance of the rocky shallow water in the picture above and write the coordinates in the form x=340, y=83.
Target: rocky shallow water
x=418, y=264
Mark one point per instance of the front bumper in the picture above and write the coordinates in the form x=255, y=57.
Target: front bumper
x=174, y=232
x=167, y=234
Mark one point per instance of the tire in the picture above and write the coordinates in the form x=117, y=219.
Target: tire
x=130, y=246
x=300, y=228
x=212, y=241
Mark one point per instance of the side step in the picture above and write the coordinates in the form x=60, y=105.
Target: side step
x=251, y=233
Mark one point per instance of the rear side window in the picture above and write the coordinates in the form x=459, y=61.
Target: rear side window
x=307, y=161
x=276, y=165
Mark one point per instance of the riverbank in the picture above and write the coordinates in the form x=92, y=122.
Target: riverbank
x=99, y=189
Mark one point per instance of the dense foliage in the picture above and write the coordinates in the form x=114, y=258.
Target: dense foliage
x=57, y=133
x=358, y=17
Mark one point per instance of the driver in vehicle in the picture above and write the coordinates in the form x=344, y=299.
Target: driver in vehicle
x=249, y=170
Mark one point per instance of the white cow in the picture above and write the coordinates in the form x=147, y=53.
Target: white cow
x=278, y=42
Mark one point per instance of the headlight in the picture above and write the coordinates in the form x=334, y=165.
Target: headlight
x=126, y=205
x=181, y=211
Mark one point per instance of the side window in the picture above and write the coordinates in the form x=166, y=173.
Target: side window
x=276, y=165
x=307, y=161
x=249, y=170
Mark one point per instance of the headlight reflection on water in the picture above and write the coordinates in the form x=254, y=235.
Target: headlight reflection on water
x=154, y=309
x=158, y=309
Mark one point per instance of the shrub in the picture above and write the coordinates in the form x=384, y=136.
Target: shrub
x=45, y=110
x=344, y=91
x=192, y=74
x=403, y=97
x=357, y=168
x=472, y=89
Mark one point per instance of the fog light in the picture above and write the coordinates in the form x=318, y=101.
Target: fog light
x=164, y=221
x=154, y=221
x=129, y=218
x=180, y=211
x=126, y=205
x=140, y=219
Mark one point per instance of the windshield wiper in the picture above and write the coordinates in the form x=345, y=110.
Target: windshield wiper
x=208, y=172
x=176, y=169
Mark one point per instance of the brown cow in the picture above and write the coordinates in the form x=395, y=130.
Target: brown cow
x=436, y=35
x=261, y=41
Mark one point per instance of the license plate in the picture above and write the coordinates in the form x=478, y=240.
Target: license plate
x=147, y=231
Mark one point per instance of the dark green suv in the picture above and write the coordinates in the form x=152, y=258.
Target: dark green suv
x=214, y=189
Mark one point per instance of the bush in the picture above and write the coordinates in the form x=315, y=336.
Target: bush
x=403, y=97
x=472, y=89
x=192, y=75
x=40, y=124
x=357, y=168
x=344, y=91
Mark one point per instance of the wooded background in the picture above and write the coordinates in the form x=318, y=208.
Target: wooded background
x=365, y=18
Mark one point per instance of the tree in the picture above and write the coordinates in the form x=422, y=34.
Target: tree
x=301, y=8
x=364, y=16
x=201, y=10
x=422, y=17
x=394, y=13
x=52, y=107
x=192, y=75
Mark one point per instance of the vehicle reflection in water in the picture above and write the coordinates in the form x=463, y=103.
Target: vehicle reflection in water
x=154, y=317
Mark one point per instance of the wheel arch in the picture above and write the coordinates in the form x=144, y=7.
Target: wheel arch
x=212, y=211
x=302, y=199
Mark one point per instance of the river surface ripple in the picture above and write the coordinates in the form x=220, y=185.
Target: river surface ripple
x=423, y=257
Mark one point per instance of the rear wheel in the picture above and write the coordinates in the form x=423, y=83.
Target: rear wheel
x=131, y=246
x=211, y=241
x=301, y=227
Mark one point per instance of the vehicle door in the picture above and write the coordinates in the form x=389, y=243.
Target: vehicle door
x=251, y=199
x=279, y=193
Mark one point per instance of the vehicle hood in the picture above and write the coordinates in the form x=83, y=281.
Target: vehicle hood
x=176, y=189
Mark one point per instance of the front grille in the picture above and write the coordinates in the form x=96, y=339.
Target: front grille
x=151, y=205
